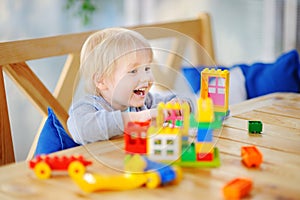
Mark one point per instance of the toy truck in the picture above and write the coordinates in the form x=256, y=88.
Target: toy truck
x=43, y=165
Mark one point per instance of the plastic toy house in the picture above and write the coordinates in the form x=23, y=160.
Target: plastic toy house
x=164, y=141
x=215, y=84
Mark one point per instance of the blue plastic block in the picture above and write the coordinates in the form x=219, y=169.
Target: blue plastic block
x=204, y=135
x=166, y=172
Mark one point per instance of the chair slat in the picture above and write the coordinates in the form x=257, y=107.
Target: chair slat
x=6, y=147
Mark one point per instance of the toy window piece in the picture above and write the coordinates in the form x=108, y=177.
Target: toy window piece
x=215, y=84
x=157, y=142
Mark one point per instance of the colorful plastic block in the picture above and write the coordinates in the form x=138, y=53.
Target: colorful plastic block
x=161, y=173
x=204, y=147
x=135, y=136
x=205, y=156
x=255, y=126
x=172, y=108
x=188, y=152
x=204, y=135
x=237, y=188
x=214, y=163
x=215, y=84
x=96, y=182
x=134, y=163
x=164, y=144
x=251, y=156
x=205, y=112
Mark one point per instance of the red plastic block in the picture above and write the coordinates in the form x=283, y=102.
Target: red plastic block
x=251, y=156
x=135, y=136
x=237, y=188
x=205, y=156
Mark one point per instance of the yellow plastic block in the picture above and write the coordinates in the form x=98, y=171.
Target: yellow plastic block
x=204, y=147
x=95, y=182
x=134, y=163
x=205, y=112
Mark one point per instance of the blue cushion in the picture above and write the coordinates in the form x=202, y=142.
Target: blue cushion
x=260, y=78
x=281, y=76
x=193, y=76
x=53, y=136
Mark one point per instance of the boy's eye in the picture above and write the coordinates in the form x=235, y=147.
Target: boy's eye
x=147, y=69
x=133, y=71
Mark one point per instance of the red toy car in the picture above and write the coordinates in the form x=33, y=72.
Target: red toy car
x=44, y=164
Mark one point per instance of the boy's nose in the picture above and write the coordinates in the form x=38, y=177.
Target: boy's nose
x=146, y=76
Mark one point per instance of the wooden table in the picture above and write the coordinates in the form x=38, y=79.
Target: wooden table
x=277, y=178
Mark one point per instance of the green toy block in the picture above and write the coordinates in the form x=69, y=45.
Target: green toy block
x=255, y=126
x=206, y=125
x=188, y=152
x=215, y=163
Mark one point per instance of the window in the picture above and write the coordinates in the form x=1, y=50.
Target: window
x=157, y=141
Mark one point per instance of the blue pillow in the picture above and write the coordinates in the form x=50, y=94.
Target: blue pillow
x=281, y=76
x=193, y=76
x=53, y=136
x=260, y=78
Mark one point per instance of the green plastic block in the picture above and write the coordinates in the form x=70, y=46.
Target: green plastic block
x=215, y=163
x=188, y=152
x=254, y=126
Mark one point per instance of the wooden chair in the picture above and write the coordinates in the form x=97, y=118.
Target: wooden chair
x=14, y=56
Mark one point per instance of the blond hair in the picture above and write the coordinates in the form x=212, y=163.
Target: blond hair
x=102, y=48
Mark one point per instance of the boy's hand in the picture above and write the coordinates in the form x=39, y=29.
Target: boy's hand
x=177, y=112
x=141, y=116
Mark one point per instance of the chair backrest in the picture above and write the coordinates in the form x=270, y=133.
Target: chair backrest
x=15, y=54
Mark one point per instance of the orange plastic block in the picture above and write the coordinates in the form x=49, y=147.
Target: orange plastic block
x=237, y=188
x=251, y=156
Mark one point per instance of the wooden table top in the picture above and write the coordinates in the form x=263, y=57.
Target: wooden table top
x=278, y=176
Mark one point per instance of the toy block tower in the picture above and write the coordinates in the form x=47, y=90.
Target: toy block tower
x=204, y=143
x=201, y=151
x=215, y=84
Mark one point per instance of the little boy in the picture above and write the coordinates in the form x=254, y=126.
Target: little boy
x=116, y=64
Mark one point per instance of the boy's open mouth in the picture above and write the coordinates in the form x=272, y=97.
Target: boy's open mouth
x=140, y=91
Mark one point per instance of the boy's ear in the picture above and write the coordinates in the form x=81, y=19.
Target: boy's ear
x=99, y=82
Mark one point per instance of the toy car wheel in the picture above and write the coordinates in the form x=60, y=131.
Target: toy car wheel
x=179, y=175
x=42, y=170
x=153, y=180
x=76, y=168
